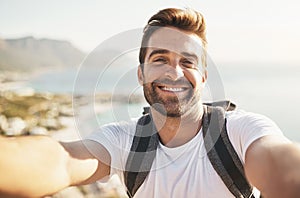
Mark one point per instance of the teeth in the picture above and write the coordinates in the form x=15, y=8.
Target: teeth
x=173, y=89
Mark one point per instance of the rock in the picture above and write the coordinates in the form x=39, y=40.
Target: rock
x=113, y=187
x=96, y=191
x=31, y=121
x=71, y=192
x=3, y=123
x=24, y=91
x=38, y=131
x=42, y=106
x=50, y=123
x=66, y=111
x=46, y=95
x=52, y=113
x=16, y=126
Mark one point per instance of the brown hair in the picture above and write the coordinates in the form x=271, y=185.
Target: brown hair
x=188, y=20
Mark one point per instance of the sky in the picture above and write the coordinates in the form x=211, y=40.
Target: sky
x=247, y=33
x=237, y=30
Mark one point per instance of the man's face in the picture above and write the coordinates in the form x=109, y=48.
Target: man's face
x=173, y=76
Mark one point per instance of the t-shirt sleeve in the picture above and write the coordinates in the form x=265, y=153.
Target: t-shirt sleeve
x=244, y=128
x=115, y=137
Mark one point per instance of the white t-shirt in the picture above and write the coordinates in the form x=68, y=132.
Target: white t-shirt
x=184, y=171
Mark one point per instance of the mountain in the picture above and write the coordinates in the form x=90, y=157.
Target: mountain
x=29, y=53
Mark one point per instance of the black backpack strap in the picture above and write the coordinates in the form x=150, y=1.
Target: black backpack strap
x=219, y=150
x=221, y=153
x=142, y=154
x=227, y=105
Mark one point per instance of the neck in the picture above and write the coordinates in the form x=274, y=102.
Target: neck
x=176, y=131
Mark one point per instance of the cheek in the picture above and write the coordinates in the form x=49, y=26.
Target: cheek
x=195, y=77
x=151, y=74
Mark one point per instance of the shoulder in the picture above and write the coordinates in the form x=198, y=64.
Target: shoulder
x=242, y=120
x=244, y=128
x=118, y=128
x=115, y=133
x=116, y=138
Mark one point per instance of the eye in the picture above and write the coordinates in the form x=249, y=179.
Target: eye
x=159, y=60
x=188, y=63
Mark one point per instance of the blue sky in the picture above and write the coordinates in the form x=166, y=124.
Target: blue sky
x=238, y=30
x=258, y=33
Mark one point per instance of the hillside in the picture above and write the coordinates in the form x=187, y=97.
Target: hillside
x=29, y=53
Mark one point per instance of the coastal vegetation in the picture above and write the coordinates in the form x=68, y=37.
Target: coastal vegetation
x=25, y=111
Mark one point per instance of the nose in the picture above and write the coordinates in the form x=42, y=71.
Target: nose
x=175, y=71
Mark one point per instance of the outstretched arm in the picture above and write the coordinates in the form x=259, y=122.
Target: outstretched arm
x=273, y=166
x=36, y=166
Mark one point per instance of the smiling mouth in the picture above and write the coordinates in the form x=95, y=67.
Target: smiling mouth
x=172, y=89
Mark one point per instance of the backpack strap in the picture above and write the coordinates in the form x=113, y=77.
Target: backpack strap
x=221, y=153
x=219, y=150
x=142, y=154
x=227, y=105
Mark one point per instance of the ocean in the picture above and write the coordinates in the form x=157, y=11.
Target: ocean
x=269, y=89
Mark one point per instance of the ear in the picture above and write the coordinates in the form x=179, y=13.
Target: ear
x=140, y=75
x=204, y=76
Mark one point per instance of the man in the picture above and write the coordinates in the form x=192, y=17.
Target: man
x=173, y=72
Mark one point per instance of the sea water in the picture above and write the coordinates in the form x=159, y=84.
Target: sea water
x=269, y=89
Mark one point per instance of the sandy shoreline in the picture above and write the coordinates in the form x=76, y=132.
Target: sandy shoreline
x=70, y=131
x=112, y=188
x=54, y=115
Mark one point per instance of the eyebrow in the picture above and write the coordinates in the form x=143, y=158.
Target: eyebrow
x=194, y=56
x=158, y=51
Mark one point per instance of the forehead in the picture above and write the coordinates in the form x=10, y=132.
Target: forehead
x=175, y=40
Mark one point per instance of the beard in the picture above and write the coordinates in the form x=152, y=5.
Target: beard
x=171, y=106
